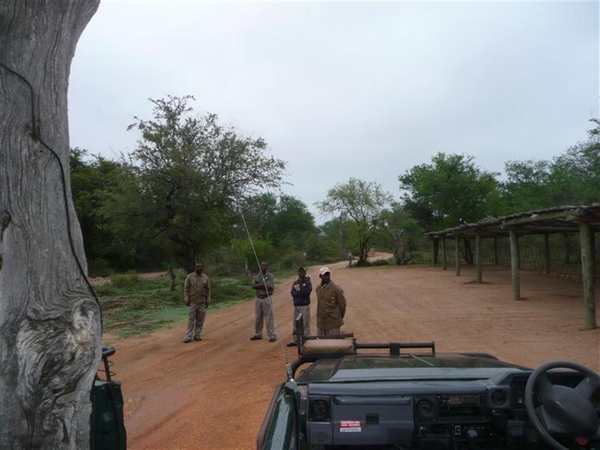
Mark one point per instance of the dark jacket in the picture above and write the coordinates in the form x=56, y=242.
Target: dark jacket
x=301, y=290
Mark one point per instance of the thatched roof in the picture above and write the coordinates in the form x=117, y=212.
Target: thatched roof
x=559, y=219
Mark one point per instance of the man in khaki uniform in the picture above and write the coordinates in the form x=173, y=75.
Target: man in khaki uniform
x=196, y=293
x=331, y=305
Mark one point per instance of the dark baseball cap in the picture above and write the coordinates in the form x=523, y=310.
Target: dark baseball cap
x=301, y=269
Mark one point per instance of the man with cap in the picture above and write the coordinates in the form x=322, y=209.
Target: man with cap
x=301, y=290
x=331, y=305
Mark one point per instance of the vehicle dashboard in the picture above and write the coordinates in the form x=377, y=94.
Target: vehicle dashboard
x=484, y=408
x=339, y=397
x=421, y=414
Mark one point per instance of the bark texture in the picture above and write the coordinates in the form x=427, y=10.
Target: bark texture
x=49, y=320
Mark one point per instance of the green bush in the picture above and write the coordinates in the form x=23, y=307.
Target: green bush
x=125, y=280
x=292, y=260
x=226, y=289
x=381, y=262
x=99, y=268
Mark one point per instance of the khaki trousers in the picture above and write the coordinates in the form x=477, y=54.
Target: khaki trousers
x=263, y=312
x=196, y=315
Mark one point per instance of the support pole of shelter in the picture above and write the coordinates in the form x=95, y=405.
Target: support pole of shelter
x=478, y=260
x=435, y=250
x=457, y=255
x=495, y=251
x=444, y=253
x=547, y=251
x=587, y=270
x=514, y=264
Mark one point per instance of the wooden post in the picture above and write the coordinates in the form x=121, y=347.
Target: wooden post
x=587, y=271
x=457, y=255
x=444, y=253
x=435, y=250
x=547, y=251
x=478, y=260
x=173, y=278
x=514, y=264
x=495, y=251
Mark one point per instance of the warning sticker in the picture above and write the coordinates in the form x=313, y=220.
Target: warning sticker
x=350, y=426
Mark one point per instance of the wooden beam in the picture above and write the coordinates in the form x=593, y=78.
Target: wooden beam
x=457, y=255
x=435, y=251
x=495, y=251
x=444, y=254
x=514, y=265
x=587, y=272
x=478, y=260
x=547, y=251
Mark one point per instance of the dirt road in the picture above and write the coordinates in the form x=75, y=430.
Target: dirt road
x=212, y=395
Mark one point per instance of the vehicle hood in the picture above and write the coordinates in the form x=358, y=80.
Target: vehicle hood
x=409, y=367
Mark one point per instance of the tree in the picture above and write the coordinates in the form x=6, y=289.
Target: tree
x=258, y=212
x=49, y=321
x=92, y=180
x=569, y=179
x=575, y=175
x=363, y=203
x=292, y=221
x=527, y=186
x=187, y=175
x=403, y=234
x=450, y=191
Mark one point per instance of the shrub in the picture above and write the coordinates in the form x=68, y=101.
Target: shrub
x=126, y=280
x=292, y=260
x=99, y=268
x=381, y=262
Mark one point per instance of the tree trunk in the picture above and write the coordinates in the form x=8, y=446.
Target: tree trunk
x=49, y=320
x=173, y=279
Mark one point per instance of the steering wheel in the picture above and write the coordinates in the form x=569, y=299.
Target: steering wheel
x=564, y=410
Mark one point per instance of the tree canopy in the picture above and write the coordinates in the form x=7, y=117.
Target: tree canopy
x=185, y=177
x=167, y=201
x=363, y=203
x=450, y=191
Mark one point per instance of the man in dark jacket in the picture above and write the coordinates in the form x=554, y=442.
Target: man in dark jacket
x=301, y=289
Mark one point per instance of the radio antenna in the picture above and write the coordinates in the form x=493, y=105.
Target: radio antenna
x=269, y=298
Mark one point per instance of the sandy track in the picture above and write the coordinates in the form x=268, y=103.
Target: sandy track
x=213, y=394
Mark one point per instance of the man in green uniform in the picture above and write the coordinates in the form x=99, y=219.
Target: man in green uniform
x=331, y=305
x=196, y=293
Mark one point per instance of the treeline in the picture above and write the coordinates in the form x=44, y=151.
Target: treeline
x=195, y=189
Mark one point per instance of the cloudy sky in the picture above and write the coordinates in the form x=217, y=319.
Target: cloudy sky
x=341, y=90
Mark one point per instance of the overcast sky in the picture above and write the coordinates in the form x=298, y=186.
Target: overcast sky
x=341, y=90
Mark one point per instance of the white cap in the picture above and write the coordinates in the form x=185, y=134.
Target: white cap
x=324, y=270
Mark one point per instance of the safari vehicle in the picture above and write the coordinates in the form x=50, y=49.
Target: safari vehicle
x=341, y=394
